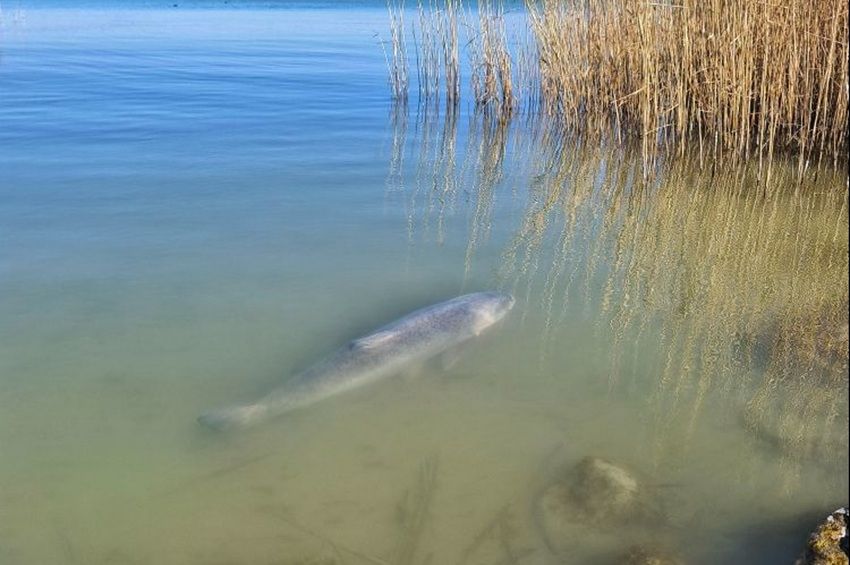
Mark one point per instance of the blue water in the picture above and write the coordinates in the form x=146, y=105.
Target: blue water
x=197, y=201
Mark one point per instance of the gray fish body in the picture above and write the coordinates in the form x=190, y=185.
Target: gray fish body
x=416, y=337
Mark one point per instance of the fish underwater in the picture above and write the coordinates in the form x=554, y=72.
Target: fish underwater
x=417, y=337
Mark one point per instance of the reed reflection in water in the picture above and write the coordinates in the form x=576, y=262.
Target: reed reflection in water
x=719, y=295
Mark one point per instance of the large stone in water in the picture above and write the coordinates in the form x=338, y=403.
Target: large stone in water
x=604, y=491
x=828, y=544
x=596, y=493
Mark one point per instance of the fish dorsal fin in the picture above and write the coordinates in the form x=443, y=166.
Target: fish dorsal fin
x=372, y=341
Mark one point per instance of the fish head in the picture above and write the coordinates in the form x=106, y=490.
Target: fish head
x=490, y=307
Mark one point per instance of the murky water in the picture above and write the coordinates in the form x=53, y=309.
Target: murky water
x=199, y=201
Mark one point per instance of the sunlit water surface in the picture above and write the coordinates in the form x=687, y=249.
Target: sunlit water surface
x=199, y=201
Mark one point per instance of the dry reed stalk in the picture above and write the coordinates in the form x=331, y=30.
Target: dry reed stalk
x=397, y=59
x=427, y=53
x=527, y=72
x=490, y=60
x=447, y=26
x=437, y=51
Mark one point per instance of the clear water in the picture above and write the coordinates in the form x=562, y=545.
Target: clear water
x=198, y=201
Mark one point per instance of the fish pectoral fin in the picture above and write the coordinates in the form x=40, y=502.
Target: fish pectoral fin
x=371, y=341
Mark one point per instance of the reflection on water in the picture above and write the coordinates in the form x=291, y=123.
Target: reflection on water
x=719, y=298
x=690, y=327
x=716, y=280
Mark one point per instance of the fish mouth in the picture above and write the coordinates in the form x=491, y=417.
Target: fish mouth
x=502, y=304
x=504, y=300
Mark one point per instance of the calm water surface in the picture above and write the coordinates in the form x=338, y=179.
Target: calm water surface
x=199, y=201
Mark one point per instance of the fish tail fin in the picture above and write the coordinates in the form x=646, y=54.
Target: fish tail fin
x=231, y=417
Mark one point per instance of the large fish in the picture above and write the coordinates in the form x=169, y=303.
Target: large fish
x=416, y=337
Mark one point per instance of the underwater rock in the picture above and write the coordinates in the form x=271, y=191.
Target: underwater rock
x=639, y=555
x=554, y=515
x=595, y=492
x=828, y=544
x=604, y=491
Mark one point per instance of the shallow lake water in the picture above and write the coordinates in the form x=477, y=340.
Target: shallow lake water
x=198, y=201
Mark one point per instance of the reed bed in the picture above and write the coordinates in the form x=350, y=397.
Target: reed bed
x=745, y=78
x=742, y=80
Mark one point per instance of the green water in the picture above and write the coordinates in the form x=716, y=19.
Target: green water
x=198, y=203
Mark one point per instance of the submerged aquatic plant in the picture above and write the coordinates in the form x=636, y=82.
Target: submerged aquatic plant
x=413, y=512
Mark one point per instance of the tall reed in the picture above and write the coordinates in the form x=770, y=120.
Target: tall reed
x=437, y=43
x=490, y=60
x=744, y=78
x=447, y=23
x=427, y=52
x=396, y=58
